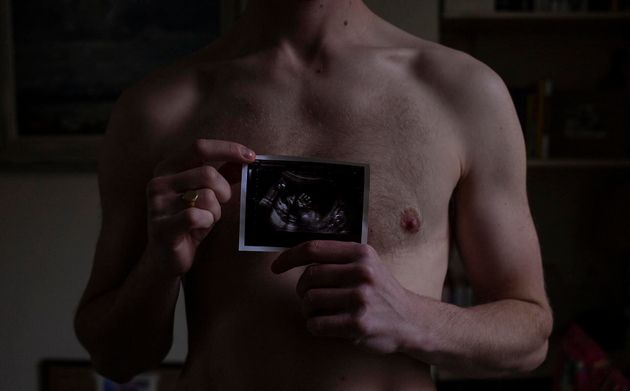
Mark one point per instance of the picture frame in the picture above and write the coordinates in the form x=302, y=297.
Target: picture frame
x=80, y=375
x=55, y=146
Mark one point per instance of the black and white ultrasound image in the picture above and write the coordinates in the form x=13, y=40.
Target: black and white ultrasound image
x=289, y=202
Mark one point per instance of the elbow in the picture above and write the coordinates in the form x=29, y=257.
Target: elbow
x=117, y=360
x=108, y=367
x=533, y=360
x=536, y=355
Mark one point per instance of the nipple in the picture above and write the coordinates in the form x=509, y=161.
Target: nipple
x=410, y=220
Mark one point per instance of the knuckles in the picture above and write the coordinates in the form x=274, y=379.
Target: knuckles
x=365, y=273
x=364, y=252
x=209, y=174
x=361, y=295
x=155, y=204
x=309, y=298
x=360, y=325
x=190, y=217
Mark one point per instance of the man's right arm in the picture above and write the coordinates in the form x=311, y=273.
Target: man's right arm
x=125, y=316
x=148, y=236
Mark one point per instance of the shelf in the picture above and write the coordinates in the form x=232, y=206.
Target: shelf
x=578, y=163
x=542, y=16
x=602, y=22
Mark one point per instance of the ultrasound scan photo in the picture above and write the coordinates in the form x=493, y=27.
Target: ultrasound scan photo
x=286, y=201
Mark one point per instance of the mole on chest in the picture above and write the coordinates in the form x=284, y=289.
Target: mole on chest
x=410, y=220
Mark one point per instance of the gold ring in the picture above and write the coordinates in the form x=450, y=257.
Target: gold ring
x=191, y=197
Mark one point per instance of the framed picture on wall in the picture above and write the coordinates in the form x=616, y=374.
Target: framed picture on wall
x=63, y=63
x=80, y=375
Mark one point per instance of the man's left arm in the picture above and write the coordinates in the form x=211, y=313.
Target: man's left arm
x=347, y=292
x=508, y=331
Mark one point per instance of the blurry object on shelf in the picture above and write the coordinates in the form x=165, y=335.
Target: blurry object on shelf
x=577, y=5
x=590, y=124
x=532, y=5
x=458, y=8
x=551, y=5
x=544, y=90
x=468, y=7
x=616, y=77
x=612, y=236
x=608, y=5
x=584, y=366
x=600, y=5
x=514, y=5
x=533, y=107
x=613, y=215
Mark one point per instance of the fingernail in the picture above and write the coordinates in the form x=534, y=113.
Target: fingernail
x=248, y=153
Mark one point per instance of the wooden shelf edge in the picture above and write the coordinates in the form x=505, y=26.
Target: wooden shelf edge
x=578, y=163
x=526, y=15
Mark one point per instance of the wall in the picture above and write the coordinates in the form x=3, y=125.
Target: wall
x=48, y=229
x=419, y=17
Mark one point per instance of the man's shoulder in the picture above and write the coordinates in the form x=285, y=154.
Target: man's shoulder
x=163, y=97
x=457, y=78
x=464, y=84
x=474, y=96
x=454, y=73
x=151, y=114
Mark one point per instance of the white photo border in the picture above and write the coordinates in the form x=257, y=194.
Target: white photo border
x=243, y=212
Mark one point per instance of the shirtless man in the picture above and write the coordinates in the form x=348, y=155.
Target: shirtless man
x=325, y=79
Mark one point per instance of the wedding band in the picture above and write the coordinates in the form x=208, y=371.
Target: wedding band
x=191, y=197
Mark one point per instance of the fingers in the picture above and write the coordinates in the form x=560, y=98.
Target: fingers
x=170, y=228
x=340, y=326
x=203, y=151
x=172, y=203
x=333, y=276
x=318, y=302
x=196, y=178
x=172, y=219
x=320, y=251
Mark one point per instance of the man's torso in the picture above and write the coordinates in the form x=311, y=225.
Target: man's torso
x=371, y=105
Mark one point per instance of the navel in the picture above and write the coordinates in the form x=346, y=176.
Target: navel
x=410, y=220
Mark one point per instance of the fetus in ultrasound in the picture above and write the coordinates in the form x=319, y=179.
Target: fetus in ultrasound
x=299, y=202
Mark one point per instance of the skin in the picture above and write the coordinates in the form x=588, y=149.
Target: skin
x=329, y=80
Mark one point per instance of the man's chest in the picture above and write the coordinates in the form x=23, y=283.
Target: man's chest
x=399, y=131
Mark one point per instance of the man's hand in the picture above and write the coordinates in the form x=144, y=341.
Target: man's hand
x=175, y=228
x=347, y=292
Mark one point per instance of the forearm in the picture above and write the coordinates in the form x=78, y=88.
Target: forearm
x=486, y=340
x=129, y=329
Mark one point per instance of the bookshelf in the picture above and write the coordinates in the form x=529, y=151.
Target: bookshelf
x=569, y=75
x=574, y=22
x=538, y=16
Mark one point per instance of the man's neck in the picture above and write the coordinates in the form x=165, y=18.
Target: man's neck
x=304, y=27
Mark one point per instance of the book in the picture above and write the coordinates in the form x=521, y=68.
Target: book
x=533, y=107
